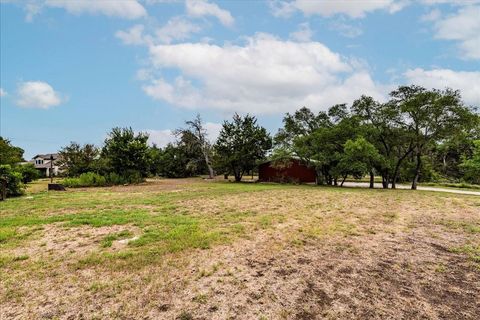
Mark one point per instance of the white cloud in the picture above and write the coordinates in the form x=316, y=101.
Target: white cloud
x=265, y=75
x=160, y=137
x=464, y=27
x=128, y=9
x=37, y=94
x=200, y=8
x=433, y=15
x=133, y=36
x=353, y=9
x=3, y=93
x=451, y=2
x=303, y=34
x=32, y=9
x=213, y=130
x=467, y=82
x=346, y=29
x=163, y=137
x=176, y=28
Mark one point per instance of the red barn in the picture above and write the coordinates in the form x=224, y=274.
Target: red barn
x=288, y=170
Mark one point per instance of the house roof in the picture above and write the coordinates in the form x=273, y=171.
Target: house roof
x=47, y=156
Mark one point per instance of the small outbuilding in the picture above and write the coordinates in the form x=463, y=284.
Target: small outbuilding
x=291, y=170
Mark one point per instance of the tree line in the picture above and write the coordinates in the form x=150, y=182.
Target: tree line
x=418, y=135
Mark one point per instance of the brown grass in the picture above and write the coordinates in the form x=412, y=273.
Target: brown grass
x=288, y=253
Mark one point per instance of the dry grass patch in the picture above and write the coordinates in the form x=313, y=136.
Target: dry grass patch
x=203, y=250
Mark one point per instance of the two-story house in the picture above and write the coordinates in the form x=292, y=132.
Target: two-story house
x=46, y=162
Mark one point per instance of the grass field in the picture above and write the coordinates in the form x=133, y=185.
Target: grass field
x=192, y=249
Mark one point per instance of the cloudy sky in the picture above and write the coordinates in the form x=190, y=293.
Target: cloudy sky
x=73, y=69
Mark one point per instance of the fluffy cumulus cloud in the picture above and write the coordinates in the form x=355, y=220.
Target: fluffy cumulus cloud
x=160, y=137
x=176, y=29
x=133, y=36
x=201, y=8
x=37, y=94
x=163, y=137
x=265, y=75
x=127, y=9
x=451, y=2
x=303, y=34
x=352, y=9
x=463, y=27
x=467, y=82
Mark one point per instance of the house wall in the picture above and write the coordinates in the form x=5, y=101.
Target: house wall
x=295, y=171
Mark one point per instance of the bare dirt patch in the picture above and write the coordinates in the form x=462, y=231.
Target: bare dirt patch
x=58, y=241
x=305, y=253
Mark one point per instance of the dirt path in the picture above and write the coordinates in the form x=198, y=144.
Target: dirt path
x=407, y=187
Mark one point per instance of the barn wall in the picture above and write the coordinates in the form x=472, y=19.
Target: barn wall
x=294, y=172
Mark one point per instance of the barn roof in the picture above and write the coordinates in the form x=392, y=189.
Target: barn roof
x=289, y=158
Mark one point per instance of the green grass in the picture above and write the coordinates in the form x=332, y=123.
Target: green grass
x=55, y=241
x=470, y=227
x=165, y=226
x=471, y=250
x=108, y=240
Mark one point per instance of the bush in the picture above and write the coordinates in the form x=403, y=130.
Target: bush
x=130, y=177
x=471, y=167
x=28, y=172
x=15, y=187
x=89, y=179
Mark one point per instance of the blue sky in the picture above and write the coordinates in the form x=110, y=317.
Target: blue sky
x=73, y=69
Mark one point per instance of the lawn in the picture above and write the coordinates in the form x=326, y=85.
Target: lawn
x=193, y=249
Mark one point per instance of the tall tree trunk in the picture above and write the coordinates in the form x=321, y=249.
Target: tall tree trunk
x=372, y=180
x=335, y=181
x=417, y=171
x=211, y=173
x=385, y=181
x=330, y=180
x=238, y=177
x=397, y=168
x=343, y=180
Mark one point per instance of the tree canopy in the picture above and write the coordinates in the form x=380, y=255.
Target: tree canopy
x=241, y=143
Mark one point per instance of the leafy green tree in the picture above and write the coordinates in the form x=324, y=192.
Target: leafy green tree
x=13, y=178
x=323, y=147
x=471, y=166
x=195, y=138
x=10, y=154
x=300, y=124
x=241, y=144
x=126, y=153
x=383, y=128
x=154, y=155
x=28, y=171
x=359, y=158
x=77, y=159
x=175, y=162
x=429, y=116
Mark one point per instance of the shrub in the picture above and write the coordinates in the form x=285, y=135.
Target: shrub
x=89, y=179
x=15, y=187
x=28, y=172
x=471, y=167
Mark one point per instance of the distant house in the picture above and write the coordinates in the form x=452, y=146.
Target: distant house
x=286, y=170
x=43, y=163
